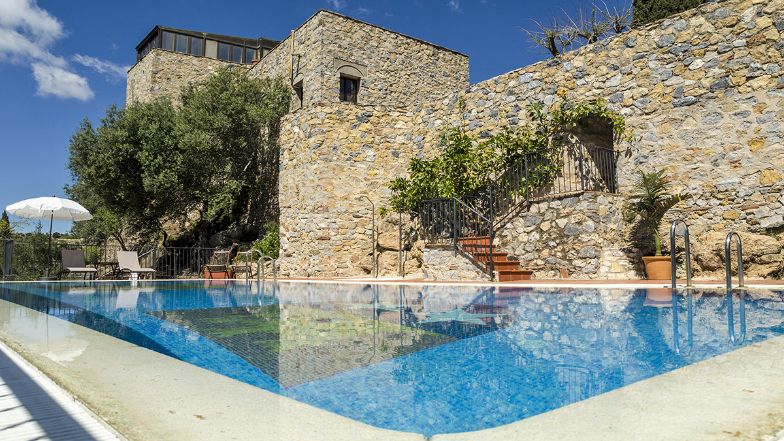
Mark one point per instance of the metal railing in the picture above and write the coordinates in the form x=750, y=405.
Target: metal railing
x=741, y=317
x=457, y=223
x=535, y=176
x=728, y=260
x=178, y=262
x=676, y=342
x=673, y=261
x=26, y=259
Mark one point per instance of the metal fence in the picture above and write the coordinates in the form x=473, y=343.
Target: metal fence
x=469, y=223
x=27, y=258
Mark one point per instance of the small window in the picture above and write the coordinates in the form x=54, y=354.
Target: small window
x=299, y=93
x=168, y=41
x=250, y=54
x=181, y=44
x=224, y=51
x=236, y=54
x=349, y=88
x=196, y=46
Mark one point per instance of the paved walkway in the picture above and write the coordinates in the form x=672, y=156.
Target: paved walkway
x=32, y=407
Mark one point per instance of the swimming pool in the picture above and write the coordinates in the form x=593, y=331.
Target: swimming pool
x=426, y=359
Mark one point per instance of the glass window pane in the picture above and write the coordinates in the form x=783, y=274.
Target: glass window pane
x=168, y=41
x=250, y=54
x=196, y=46
x=348, y=89
x=223, y=51
x=182, y=44
x=236, y=54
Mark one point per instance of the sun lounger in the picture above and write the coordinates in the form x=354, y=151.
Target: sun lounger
x=128, y=262
x=220, y=264
x=73, y=263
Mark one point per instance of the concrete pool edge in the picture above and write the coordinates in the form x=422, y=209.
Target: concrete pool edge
x=125, y=364
x=144, y=395
x=543, y=283
x=738, y=395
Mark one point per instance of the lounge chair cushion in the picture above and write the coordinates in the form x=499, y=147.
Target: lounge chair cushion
x=73, y=262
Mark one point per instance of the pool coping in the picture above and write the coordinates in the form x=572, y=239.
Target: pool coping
x=604, y=417
x=549, y=283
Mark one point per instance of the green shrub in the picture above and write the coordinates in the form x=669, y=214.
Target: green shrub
x=269, y=245
x=467, y=164
x=648, y=11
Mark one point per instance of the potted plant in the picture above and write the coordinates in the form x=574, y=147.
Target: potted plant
x=648, y=204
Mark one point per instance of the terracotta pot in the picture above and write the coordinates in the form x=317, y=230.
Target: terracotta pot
x=658, y=297
x=658, y=267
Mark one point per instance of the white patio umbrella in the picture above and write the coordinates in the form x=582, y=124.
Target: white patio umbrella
x=53, y=208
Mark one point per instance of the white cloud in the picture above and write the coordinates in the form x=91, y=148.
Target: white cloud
x=454, y=5
x=337, y=4
x=363, y=11
x=27, y=33
x=27, y=16
x=112, y=72
x=56, y=81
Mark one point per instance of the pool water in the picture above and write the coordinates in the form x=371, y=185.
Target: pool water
x=427, y=359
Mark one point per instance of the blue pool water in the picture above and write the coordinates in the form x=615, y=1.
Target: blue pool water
x=425, y=359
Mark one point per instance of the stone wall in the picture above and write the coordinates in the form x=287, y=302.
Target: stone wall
x=332, y=156
x=397, y=71
x=164, y=73
x=581, y=235
x=441, y=263
x=703, y=92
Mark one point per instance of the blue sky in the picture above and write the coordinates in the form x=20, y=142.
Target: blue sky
x=62, y=61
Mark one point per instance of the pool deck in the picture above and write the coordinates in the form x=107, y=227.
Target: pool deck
x=32, y=407
x=145, y=395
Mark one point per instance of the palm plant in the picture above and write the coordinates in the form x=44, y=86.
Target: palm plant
x=651, y=201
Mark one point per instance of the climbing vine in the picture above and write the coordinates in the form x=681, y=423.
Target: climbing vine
x=466, y=164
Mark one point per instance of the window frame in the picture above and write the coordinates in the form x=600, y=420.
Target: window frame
x=342, y=93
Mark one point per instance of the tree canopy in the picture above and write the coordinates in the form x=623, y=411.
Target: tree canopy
x=647, y=11
x=203, y=166
x=5, y=226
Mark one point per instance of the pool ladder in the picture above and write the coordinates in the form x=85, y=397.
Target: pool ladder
x=728, y=260
x=739, y=339
x=673, y=261
x=727, y=256
x=735, y=339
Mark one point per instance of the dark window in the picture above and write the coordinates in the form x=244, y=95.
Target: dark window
x=181, y=44
x=250, y=54
x=168, y=41
x=196, y=48
x=349, y=88
x=224, y=51
x=236, y=54
x=299, y=92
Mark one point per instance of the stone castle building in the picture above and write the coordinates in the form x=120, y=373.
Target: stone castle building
x=703, y=91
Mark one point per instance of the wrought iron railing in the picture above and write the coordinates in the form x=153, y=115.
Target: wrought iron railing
x=469, y=223
x=27, y=258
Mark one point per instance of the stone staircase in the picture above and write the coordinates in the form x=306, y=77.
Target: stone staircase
x=506, y=270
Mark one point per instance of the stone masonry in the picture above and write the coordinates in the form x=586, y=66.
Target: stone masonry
x=395, y=70
x=163, y=74
x=703, y=92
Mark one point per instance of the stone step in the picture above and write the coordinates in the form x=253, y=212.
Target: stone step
x=484, y=256
x=499, y=265
x=474, y=240
x=514, y=275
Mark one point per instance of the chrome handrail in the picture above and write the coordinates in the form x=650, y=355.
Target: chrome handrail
x=728, y=260
x=260, y=273
x=673, y=261
x=731, y=318
x=689, y=325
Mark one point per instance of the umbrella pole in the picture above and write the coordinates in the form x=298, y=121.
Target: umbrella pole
x=49, y=249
